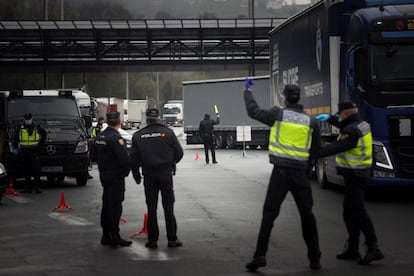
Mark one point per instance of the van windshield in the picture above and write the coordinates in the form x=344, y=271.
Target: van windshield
x=47, y=108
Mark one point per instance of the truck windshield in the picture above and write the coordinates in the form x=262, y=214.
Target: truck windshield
x=43, y=107
x=171, y=110
x=392, y=62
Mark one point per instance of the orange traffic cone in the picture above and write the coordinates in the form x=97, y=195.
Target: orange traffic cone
x=144, y=228
x=11, y=191
x=62, y=205
x=197, y=157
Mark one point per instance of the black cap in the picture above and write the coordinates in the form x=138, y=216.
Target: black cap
x=291, y=91
x=152, y=113
x=27, y=116
x=101, y=118
x=345, y=105
x=112, y=115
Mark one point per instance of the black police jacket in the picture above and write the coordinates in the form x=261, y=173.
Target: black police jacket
x=156, y=150
x=349, y=139
x=269, y=116
x=109, y=151
x=206, y=127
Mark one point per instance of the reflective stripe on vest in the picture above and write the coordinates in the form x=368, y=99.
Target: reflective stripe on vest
x=27, y=140
x=359, y=157
x=291, y=138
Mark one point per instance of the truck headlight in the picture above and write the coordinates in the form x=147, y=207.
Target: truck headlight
x=82, y=147
x=2, y=169
x=381, y=156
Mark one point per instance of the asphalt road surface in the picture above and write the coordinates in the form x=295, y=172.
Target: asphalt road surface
x=218, y=209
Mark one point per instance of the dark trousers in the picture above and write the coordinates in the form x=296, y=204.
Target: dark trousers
x=209, y=145
x=31, y=164
x=153, y=185
x=112, y=198
x=355, y=215
x=281, y=182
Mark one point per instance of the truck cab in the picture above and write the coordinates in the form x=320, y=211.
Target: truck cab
x=65, y=149
x=173, y=113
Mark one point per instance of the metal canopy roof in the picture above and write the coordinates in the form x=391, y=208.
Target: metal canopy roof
x=181, y=44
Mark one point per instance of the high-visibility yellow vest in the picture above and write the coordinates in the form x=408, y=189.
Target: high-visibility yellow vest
x=359, y=157
x=291, y=138
x=27, y=140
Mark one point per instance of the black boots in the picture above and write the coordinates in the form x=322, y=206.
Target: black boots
x=256, y=263
x=372, y=255
x=176, y=243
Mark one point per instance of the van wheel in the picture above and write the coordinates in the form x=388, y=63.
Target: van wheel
x=320, y=174
x=82, y=179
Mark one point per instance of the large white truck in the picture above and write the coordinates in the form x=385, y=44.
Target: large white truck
x=135, y=113
x=200, y=97
x=173, y=113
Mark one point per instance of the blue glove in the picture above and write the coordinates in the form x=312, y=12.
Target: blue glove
x=323, y=117
x=248, y=83
x=15, y=152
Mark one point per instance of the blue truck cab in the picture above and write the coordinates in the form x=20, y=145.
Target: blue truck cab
x=359, y=50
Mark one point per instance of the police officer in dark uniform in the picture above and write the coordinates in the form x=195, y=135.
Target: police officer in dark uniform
x=294, y=139
x=156, y=150
x=353, y=160
x=207, y=135
x=111, y=155
x=26, y=145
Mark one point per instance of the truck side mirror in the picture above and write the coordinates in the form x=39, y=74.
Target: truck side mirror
x=350, y=70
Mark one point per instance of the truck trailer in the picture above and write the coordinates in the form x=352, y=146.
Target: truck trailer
x=200, y=97
x=135, y=112
x=360, y=51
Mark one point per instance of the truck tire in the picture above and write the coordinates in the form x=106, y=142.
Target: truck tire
x=321, y=175
x=220, y=141
x=82, y=179
x=230, y=141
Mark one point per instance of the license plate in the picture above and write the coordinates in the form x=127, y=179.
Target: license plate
x=52, y=169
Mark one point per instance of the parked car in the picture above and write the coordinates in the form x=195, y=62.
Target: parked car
x=3, y=180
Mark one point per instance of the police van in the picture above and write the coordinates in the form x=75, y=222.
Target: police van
x=65, y=150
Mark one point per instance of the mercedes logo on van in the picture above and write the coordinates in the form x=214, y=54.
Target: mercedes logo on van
x=51, y=149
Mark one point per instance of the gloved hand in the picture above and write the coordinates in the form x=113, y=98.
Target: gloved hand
x=323, y=117
x=15, y=152
x=248, y=82
x=218, y=116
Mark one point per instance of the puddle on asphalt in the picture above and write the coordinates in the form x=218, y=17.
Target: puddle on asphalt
x=19, y=199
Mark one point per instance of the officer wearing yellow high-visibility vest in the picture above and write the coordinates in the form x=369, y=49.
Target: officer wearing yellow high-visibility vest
x=353, y=151
x=293, y=141
x=26, y=147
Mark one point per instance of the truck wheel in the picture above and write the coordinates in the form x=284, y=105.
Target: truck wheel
x=220, y=141
x=82, y=179
x=320, y=174
x=230, y=142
